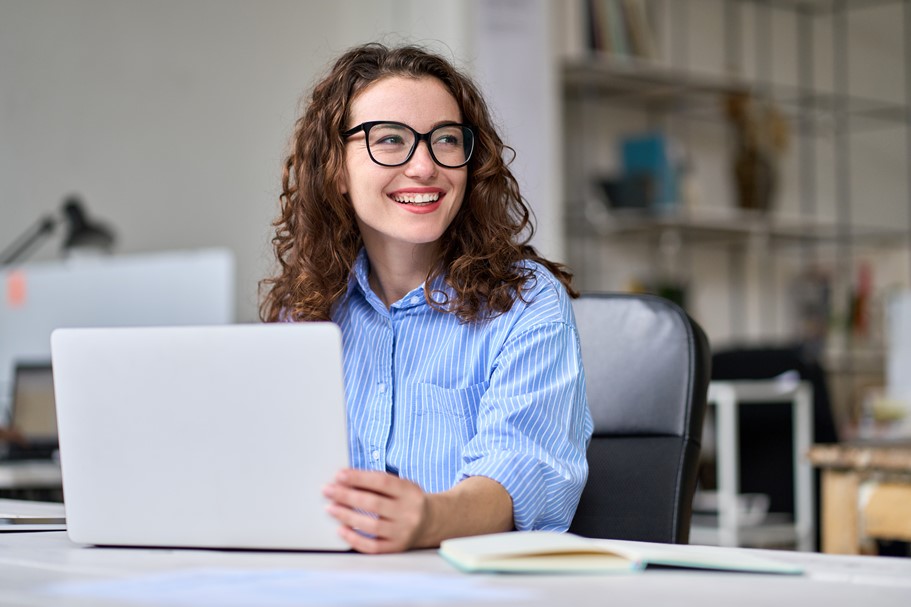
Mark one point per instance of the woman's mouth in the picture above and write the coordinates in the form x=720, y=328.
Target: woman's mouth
x=417, y=199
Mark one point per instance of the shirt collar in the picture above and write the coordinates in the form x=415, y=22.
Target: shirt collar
x=359, y=280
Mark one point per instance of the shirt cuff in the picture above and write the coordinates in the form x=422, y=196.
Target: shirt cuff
x=524, y=480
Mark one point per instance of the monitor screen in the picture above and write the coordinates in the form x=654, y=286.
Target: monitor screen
x=33, y=410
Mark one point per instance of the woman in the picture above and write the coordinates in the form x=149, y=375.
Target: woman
x=401, y=222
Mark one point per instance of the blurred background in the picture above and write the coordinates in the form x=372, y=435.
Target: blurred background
x=170, y=119
x=748, y=159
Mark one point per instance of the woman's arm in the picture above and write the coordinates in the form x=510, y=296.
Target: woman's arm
x=393, y=514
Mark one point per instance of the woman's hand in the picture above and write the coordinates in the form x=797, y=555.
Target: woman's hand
x=379, y=512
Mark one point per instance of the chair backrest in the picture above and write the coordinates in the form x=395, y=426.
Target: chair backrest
x=647, y=369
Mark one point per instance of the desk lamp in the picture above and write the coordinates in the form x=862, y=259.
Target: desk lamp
x=81, y=234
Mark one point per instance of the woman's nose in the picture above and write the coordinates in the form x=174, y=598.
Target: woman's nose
x=421, y=164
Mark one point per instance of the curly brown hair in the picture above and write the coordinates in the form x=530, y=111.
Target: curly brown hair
x=317, y=239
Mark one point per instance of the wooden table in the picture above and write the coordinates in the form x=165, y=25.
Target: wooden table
x=866, y=494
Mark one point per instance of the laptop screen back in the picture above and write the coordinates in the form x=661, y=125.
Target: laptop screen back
x=204, y=437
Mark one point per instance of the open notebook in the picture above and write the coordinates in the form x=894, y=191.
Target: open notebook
x=551, y=552
x=204, y=437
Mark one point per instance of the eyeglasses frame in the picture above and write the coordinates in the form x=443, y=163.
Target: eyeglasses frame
x=418, y=138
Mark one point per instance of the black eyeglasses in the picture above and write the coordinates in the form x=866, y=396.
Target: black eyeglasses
x=392, y=144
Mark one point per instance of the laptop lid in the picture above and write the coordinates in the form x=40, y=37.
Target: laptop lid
x=33, y=413
x=210, y=437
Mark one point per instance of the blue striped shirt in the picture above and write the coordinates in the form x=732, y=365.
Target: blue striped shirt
x=434, y=400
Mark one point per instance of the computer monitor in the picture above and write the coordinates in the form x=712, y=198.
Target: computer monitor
x=165, y=288
x=33, y=413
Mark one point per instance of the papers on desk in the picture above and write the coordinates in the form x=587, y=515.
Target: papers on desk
x=288, y=587
x=17, y=516
x=17, y=523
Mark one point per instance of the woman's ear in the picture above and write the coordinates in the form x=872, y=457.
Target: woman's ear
x=343, y=182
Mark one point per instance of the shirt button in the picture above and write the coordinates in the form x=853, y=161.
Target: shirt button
x=376, y=455
x=415, y=299
x=381, y=388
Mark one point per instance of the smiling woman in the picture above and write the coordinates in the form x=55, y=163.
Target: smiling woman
x=401, y=222
x=425, y=195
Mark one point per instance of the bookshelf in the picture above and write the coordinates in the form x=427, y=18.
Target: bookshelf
x=841, y=201
x=820, y=223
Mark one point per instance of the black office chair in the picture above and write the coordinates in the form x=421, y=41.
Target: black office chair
x=647, y=368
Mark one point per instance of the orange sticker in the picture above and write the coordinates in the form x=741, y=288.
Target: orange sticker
x=15, y=289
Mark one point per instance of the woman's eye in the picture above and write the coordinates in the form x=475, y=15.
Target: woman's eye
x=389, y=140
x=447, y=140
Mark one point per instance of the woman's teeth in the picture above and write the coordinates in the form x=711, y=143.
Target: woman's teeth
x=416, y=198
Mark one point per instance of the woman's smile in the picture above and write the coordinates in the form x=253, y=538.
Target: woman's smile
x=419, y=200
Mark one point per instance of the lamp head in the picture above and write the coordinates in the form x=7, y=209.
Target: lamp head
x=82, y=234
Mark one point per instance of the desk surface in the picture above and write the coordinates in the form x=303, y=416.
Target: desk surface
x=47, y=569
x=866, y=489
x=886, y=456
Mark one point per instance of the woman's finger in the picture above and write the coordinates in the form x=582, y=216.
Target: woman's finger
x=372, y=480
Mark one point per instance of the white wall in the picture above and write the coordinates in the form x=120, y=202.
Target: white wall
x=516, y=64
x=171, y=117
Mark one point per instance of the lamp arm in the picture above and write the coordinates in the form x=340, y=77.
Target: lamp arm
x=28, y=239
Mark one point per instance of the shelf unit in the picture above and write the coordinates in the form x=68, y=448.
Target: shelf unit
x=760, y=248
x=661, y=90
x=823, y=225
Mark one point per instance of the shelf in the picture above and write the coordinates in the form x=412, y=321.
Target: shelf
x=821, y=7
x=654, y=86
x=642, y=82
x=727, y=227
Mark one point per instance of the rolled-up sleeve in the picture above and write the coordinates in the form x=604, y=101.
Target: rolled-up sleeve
x=534, y=426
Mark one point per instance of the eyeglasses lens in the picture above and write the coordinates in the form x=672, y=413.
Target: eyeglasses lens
x=392, y=144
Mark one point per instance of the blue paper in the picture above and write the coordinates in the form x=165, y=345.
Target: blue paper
x=223, y=587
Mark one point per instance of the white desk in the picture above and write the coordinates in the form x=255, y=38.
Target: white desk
x=728, y=397
x=39, y=569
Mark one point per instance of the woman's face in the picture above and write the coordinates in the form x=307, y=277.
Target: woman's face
x=414, y=203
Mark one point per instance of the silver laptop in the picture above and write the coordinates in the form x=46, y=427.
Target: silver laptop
x=207, y=437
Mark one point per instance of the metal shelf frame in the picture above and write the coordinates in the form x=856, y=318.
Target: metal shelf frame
x=727, y=397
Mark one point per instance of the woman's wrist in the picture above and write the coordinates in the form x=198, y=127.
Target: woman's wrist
x=475, y=506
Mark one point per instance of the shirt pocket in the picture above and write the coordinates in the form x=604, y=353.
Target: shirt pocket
x=444, y=420
x=455, y=408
